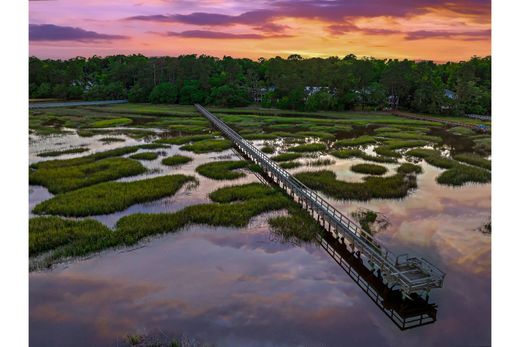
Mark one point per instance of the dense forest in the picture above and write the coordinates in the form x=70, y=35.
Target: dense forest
x=293, y=83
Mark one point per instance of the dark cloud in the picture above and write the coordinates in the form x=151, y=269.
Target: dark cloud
x=51, y=32
x=207, y=34
x=327, y=10
x=468, y=36
x=341, y=29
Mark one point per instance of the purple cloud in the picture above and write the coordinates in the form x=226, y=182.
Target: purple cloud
x=468, y=35
x=51, y=32
x=206, y=34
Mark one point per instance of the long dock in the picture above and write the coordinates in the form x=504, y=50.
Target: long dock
x=412, y=276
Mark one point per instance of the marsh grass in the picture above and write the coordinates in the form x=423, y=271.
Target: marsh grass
x=473, y=159
x=175, y=160
x=297, y=227
x=410, y=136
x=290, y=164
x=461, y=131
x=188, y=129
x=357, y=153
x=268, y=149
x=321, y=162
x=242, y=192
x=358, y=141
x=433, y=157
x=399, y=144
x=47, y=233
x=59, y=179
x=385, y=151
x=61, y=163
x=111, y=197
x=369, y=169
x=286, y=157
x=222, y=170
x=482, y=144
x=457, y=174
x=309, y=147
x=106, y=123
x=396, y=186
x=64, y=152
x=461, y=174
x=153, y=146
x=409, y=168
x=182, y=140
x=145, y=156
x=207, y=146
x=111, y=139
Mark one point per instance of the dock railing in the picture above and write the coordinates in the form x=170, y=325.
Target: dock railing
x=409, y=274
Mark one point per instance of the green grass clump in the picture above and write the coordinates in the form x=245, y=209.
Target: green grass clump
x=473, y=159
x=385, y=151
x=321, y=162
x=267, y=149
x=460, y=174
x=110, y=197
x=357, y=153
x=286, y=157
x=290, y=164
x=63, y=179
x=153, y=146
x=398, y=144
x=111, y=139
x=408, y=168
x=222, y=170
x=309, y=147
x=137, y=226
x=260, y=136
x=366, y=219
x=66, y=238
x=321, y=134
x=387, y=130
x=369, y=169
x=66, y=151
x=433, y=157
x=57, y=163
x=111, y=123
x=297, y=227
x=188, y=129
x=482, y=144
x=182, y=140
x=175, y=160
x=396, y=186
x=362, y=140
x=47, y=233
x=242, y=193
x=462, y=131
x=145, y=156
x=206, y=146
x=410, y=136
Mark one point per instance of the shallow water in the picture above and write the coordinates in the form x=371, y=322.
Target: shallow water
x=242, y=287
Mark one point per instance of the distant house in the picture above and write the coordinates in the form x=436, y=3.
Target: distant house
x=393, y=102
x=259, y=93
x=311, y=90
x=450, y=94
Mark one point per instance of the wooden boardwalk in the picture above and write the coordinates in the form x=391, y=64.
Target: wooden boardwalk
x=408, y=274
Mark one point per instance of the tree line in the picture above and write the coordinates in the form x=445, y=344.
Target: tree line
x=294, y=83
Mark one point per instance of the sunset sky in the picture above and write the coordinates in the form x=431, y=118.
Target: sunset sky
x=439, y=30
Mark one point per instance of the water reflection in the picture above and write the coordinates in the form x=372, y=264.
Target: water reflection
x=238, y=287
